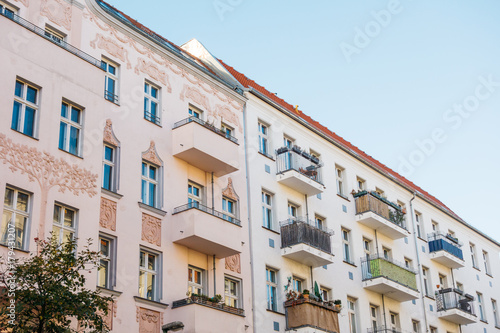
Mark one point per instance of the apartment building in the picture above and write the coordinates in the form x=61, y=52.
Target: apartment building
x=197, y=181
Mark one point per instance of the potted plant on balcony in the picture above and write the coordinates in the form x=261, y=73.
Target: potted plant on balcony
x=305, y=293
x=297, y=149
x=281, y=150
x=338, y=304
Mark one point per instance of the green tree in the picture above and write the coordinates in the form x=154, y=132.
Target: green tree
x=47, y=290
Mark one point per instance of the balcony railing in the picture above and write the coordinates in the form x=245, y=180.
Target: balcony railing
x=439, y=241
x=372, y=202
x=41, y=32
x=211, y=211
x=205, y=301
x=452, y=298
x=300, y=161
x=377, y=266
x=206, y=125
x=383, y=329
x=309, y=313
x=151, y=117
x=302, y=231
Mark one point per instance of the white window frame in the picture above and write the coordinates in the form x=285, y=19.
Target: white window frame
x=9, y=7
x=110, y=260
x=387, y=253
x=486, y=260
x=14, y=211
x=272, y=289
x=113, y=97
x=427, y=282
x=340, y=177
x=193, y=199
x=415, y=325
x=267, y=210
x=298, y=284
x=320, y=222
x=54, y=35
x=232, y=299
x=192, y=284
x=227, y=130
x=480, y=306
x=293, y=209
x=408, y=263
x=229, y=208
x=193, y=111
x=418, y=224
x=60, y=223
x=496, y=317
x=325, y=293
x=361, y=183
x=146, y=196
x=113, y=165
x=263, y=138
x=146, y=271
x=346, y=245
x=443, y=281
x=69, y=125
x=473, y=254
x=394, y=320
x=24, y=103
x=435, y=226
x=149, y=100
x=374, y=317
x=352, y=315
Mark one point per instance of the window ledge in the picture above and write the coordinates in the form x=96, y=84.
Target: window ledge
x=269, y=157
x=115, y=103
x=476, y=268
x=29, y=136
x=152, y=122
x=276, y=312
x=430, y=297
x=483, y=321
x=343, y=197
x=115, y=293
x=15, y=249
x=498, y=327
x=150, y=302
x=424, y=240
x=350, y=263
x=152, y=209
x=489, y=275
x=67, y=152
x=271, y=230
x=111, y=193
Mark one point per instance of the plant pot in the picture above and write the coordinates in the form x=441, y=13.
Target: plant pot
x=306, y=296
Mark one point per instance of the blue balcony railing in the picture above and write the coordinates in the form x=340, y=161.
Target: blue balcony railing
x=439, y=241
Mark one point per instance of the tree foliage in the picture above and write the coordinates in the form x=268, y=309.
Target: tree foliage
x=48, y=289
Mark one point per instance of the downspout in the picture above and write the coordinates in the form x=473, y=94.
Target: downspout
x=383, y=309
x=213, y=204
x=215, y=284
x=420, y=273
x=249, y=211
x=307, y=210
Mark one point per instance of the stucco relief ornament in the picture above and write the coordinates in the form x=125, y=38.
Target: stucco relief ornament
x=48, y=171
x=57, y=11
x=148, y=68
x=229, y=190
x=233, y=263
x=109, y=135
x=149, y=321
x=151, y=155
x=24, y=2
x=226, y=115
x=107, y=217
x=112, y=47
x=196, y=96
x=151, y=229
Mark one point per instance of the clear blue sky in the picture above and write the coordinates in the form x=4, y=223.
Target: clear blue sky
x=382, y=74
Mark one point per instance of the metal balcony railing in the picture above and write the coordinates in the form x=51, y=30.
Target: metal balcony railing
x=204, y=300
x=208, y=210
x=439, y=241
x=296, y=159
x=301, y=231
x=151, y=117
x=383, y=329
x=372, y=202
x=206, y=125
x=57, y=41
x=452, y=298
x=377, y=266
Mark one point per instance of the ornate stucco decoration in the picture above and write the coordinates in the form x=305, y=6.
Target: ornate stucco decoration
x=149, y=321
x=151, y=155
x=195, y=95
x=151, y=229
x=149, y=68
x=226, y=115
x=229, y=190
x=107, y=217
x=24, y=2
x=48, y=171
x=233, y=263
x=108, y=135
x=57, y=11
x=112, y=47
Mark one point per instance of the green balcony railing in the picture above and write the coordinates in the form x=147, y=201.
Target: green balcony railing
x=377, y=266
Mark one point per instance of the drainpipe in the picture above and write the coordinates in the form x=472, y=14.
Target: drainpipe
x=249, y=212
x=307, y=210
x=419, y=265
x=213, y=205
x=215, y=285
x=383, y=309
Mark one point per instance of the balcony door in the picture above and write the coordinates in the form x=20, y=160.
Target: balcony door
x=288, y=143
x=194, y=195
x=374, y=317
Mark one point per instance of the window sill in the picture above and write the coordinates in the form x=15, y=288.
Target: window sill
x=15, y=249
x=29, y=136
x=343, y=197
x=476, y=268
x=152, y=122
x=276, y=312
x=497, y=327
x=112, y=292
x=483, y=321
x=491, y=276
x=111, y=193
x=430, y=297
x=67, y=152
x=350, y=263
x=424, y=240
x=150, y=302
x=112, y=102
x=269, y=157
x=271, y=230
x=152, y=209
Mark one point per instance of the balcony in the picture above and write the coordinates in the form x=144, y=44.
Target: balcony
x=387, y=277
x=299, y=170
x=383, y=329
x=307, y=316
x=446, y=250
x=455, y=306
x=206, y=230
x=303, y=242
x=51, y=38
x=205, y=146
x=201, y=315
x=380, y=214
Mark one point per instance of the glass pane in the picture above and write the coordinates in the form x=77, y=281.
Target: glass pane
x=152, y=172
x=75, y=115
x=9, y=197
x=107, y=177
x=31, y=95
x=56, y=233
x=22, y=201
x=144, y=191
x=104, y=247
x=62, y=135
x=74, y=139
x=151, y=283
x=152, y=194
x=154, y=107
x=64, y=110
x=57, y=214
x=142, y=277
x=146, y=103
x=69, y=217
x=111, y=87
x=146, y=86
x=103, y=274
x=67, y=235
x=108, y=153
x=29, y=121
x=142, y=259
x=6, y=219
x=19, y=89
x=144, y=169
x=151, y=262
x=111, y=69
x=154, y=92
x=190, y=274
x=15, y=115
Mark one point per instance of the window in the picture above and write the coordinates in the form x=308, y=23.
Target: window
x=195, y=281
x=292, y=211
x=320, y=222
x=25, y=111
x=494, y=306
x=227, y=130
x=54, y=35
x=361, y=183
x=287, y=142
x=443, y=281
x=339, y=172
x=110, y=80
x=149, y=184
x=194, y=195
x=297, y=284
x=351, y=308
x=325, y=294
x=109, y=168
x=408, y=263
x=460, y=286
x=486, y=260
x=64, y=226
x=7, y=10
x=263, y=139
x=152, y=103
x=394, y=321
x=229, y=209
x=374, y=317
x=387, y=253
x=435, y=226
x=267, y=210
x=432, y=329
x=232, y=292
x=415, y=326
x=473, y=255
x=16, y=215
x=271, y=284
x=346, y=238
x=480, y=305
x=380, y=192
x=367, y=247
x=194, y=112
x=148, y=275
x=70, y=128
x=106, y=266
x=427, y=282
x=418, y=220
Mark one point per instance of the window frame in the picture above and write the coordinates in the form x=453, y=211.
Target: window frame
x=25, y=103
x=14, y=213
x=70, y=124
x=149, y=99
x=298, y=284
x=60, y=223
x=418, y=224
x=54, y=35
x=192, y=284
x=193, y=111
x=110, y=279
x=9, y=7
x=415, y=325
x=263, y=130
x=486, y=261
x=227, y=130
x=267, y=210
x=229, y=215
x=156, y=272
x=113, y=96
x=340, y=180
x=361, y=183
x=228, y=296
x=352, y=315
x=113, y=165
x=427, y=281
x=293, y=209
x=374, y=316
x=346, y=245
x=271, y=289
x=496, y=317
x=193, y=199
x=473, y=254
x=481, y=307
x=145, y=179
